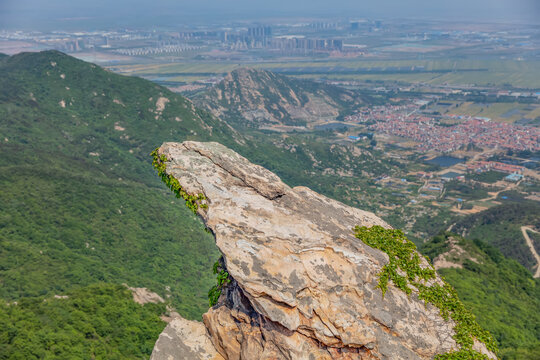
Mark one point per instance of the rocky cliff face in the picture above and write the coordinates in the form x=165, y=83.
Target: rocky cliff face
x=302, y=286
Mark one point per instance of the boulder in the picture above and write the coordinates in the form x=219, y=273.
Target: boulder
x=184, y=340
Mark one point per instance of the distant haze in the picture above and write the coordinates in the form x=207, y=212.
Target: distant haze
x=88, y=14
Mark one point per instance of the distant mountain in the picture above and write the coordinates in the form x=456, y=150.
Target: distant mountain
x=255, y=98
x=501, y=293
x=500, y=226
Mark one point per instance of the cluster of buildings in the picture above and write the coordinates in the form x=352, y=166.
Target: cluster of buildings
x=436, y=182
x=382, y=113
x=262, y=38
x=254, y=38
x=482, y=166
x=285, y=43
x=406, y=121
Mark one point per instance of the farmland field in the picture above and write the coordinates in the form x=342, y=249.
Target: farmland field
x=453, y=72
x=504, y=112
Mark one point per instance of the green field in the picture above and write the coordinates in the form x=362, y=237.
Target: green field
x=504, y=112
x=454, y=72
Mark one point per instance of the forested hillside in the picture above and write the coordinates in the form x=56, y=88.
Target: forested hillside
x=501, y=225
x=100, y=321
x=80, y=201
x=502, y=294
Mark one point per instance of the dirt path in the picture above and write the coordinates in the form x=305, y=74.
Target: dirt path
x=531, y=246
x=494, y=195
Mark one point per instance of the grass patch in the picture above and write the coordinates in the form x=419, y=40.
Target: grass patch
x=100, y=321
x=488, y=177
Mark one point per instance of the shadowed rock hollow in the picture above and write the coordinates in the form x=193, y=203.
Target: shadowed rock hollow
x=303, y=286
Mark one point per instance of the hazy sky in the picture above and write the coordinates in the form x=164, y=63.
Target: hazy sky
x=108, y=13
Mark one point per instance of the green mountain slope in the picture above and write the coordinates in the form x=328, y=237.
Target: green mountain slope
x=500, y=292
x=253, y=98
x=80, y=202
x=500, y=226
x=100, y=321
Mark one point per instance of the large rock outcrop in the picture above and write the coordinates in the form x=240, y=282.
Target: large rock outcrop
x=303, y=286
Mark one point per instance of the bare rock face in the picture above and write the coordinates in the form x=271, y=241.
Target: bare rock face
x=303, y=286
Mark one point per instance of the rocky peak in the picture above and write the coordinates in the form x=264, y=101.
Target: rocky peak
x=254, y=97
x=301, y=285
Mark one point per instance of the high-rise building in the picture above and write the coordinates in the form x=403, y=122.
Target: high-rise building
x=260, y=32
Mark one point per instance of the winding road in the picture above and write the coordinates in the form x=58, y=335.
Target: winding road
x=531, y=246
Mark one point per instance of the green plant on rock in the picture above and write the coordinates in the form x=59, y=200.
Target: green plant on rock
x=222, y=280
x=192, y=201
x=402, y=254
x=406, y=273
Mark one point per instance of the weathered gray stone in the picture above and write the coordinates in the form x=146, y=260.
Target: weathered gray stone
x=184, y=340
x=304, y=286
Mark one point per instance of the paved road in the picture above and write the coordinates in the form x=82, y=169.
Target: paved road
x=531, y=246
